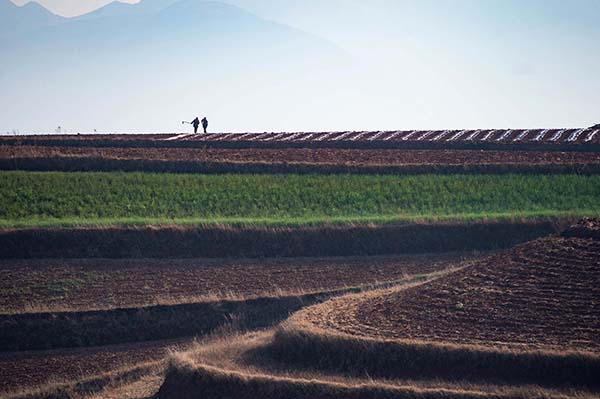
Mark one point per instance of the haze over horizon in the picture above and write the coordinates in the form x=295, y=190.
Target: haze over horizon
x=295, y=65
x=72, y=8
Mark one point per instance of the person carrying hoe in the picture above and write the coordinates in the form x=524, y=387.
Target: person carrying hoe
x=196, y=123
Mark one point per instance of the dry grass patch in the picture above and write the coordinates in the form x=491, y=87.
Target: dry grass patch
x=232, y=367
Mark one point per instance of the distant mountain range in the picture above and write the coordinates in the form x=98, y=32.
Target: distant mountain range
x=129, y=67
x=70, y=8
x=17, y=20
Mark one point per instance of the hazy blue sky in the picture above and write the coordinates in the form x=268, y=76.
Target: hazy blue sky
x=413, y=64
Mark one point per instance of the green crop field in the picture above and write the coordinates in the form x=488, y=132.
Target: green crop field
x=80, y=199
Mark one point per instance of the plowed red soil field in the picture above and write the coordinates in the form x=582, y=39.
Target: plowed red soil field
x=541, y=295
x=30, y=285
x=22, y=370
x=90, y=284
x=329, y=156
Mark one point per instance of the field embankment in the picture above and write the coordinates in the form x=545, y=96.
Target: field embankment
x=76, y=373
x=39, y=331
x=236, y=367
x=62, y=329
x=259, y=242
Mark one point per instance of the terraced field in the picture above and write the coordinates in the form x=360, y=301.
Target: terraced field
x=519, y=324
x=554, y=281
x=44, y=298
x=390, y=264
x=100, y=284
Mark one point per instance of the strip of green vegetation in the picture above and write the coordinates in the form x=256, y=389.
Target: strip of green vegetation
x=74, y=199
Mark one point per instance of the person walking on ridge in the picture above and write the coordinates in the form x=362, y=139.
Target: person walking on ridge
x=196, y=123
x=205, y=124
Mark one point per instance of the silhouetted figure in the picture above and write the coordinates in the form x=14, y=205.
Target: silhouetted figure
x=196, y=123
x=205, y=124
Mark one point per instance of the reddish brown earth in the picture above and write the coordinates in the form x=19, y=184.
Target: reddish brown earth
x=544, y=294
x=96, y=284
x=22, y=370
x=106, y=283
x=375, y=157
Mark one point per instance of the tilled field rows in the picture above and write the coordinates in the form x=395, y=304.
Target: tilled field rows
x=325, y=156
x=573, y=135
x=540, y=295
x=45, y=285
x=87, y=283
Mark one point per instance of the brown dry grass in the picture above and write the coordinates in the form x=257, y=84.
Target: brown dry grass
x=230, y=367
x=128, y=382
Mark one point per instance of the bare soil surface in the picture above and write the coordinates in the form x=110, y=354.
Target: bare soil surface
x=316, y=156
x=22, y=370
x=541, y=295
x=140, y=282
x=59, y=284
x=145, y=388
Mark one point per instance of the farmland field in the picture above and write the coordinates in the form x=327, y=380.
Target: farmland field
x=76, y=286
x=86, y=284
x=306, y=155
x=520, y=324
x=212, y=159
x=500, y=137
x=333, y=265
x=558, y=276
x=91, y=199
